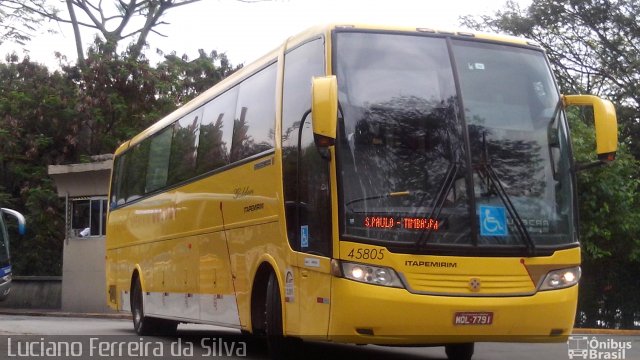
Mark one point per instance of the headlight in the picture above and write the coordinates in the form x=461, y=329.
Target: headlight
x=563, y=278
x=6, y=278
x=375, y=275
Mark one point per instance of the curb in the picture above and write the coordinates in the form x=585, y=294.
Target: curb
x=606, y=332
x=56, y=313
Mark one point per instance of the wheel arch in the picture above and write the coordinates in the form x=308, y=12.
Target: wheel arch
x=136, y=275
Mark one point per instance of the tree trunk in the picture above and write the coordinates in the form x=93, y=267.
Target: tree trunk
x=76, y=33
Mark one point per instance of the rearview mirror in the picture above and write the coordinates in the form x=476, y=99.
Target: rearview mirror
x=22, y=223
x=324, y=109
x=606, y=123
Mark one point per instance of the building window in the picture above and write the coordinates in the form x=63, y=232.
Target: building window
x=88, y=217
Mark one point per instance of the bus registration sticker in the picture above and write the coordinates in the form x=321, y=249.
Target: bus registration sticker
x=473, y=318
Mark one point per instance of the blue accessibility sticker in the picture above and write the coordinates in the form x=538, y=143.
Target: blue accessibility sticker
x=304, y=236
x=493, y=221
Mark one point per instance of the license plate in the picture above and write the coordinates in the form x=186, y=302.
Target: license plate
x=473, y=318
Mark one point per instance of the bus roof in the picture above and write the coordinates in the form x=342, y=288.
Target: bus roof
x=293, y=41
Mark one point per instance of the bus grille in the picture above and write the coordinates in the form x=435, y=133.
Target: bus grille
x=469, y=285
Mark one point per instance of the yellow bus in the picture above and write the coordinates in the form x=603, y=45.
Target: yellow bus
x=360, y=184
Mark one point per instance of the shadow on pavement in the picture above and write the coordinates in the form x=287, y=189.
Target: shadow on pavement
x=230, y=343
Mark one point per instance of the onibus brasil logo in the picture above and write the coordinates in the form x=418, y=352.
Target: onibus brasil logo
x=583, y=347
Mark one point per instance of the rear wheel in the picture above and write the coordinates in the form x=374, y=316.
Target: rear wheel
x=141, y=324
x=459, y=351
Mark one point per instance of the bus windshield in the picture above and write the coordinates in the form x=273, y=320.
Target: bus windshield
x=450, y=143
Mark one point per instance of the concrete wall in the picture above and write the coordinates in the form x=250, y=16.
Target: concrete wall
x=34, y=292
x=84, y=275
x=81, y=288
x=75, y=180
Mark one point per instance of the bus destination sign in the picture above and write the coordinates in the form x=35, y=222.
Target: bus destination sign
x=404, y=222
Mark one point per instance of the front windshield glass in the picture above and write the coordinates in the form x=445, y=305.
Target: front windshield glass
x=516, y=133
x=406, y=165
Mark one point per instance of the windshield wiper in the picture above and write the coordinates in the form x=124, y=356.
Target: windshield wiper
x=438, y=204
x=386, y=195
x=496, y=184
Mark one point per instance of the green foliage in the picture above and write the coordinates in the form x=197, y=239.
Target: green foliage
x=36, y=129
x=183, y=79
x=610, y=224
x=69, y=115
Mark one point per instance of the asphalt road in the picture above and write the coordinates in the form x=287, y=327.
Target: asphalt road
x=94, y=338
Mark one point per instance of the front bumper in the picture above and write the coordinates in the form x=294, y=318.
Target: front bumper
x=362, y=313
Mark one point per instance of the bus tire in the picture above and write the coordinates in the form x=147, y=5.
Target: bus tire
x=145, y=325
x=459, y=351
x=142, y=324
x=279, y=346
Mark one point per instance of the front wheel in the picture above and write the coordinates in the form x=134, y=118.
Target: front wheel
x=459, y=351
x=280, y=347
x=273, y=319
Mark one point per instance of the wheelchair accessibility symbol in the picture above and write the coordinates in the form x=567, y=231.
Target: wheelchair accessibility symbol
x=493, y=221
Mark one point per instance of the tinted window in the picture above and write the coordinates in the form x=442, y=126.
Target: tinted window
x=254, y=124
x=158, y=167
x=136, y=169
x=226, y=129
x=118, y=194
x=301, y=65
x=216, y=130
x=306, y=176
x=182, y=164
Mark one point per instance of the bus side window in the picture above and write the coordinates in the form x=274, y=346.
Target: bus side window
x=136, y=168
x=118, y=194
x=184, y=145
x=254, y=124
x=216, y=130
x=305, y=173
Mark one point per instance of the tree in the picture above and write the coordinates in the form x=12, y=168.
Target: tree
x=609, y=227
x=185, y=78
x=593, y=46
x=85, y=109
x=66, y=116
x=120, y=96
x=37, y=128
x=96, y=16
x=17, y=23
